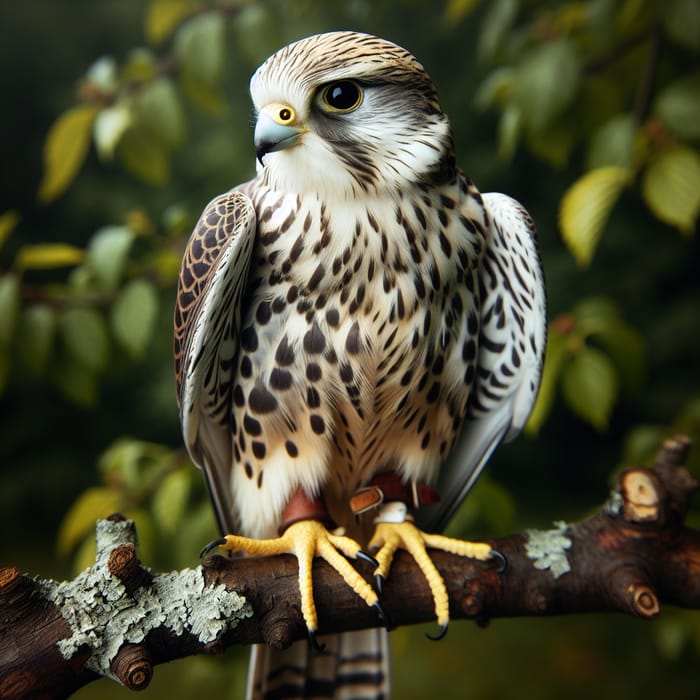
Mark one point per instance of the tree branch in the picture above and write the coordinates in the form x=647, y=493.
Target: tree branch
x=119, y=619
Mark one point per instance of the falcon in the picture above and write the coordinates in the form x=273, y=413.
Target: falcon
x=356, y=329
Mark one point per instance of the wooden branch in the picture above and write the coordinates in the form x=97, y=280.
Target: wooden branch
x=119, y=619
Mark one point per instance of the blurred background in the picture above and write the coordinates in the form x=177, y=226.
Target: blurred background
x=121, y=120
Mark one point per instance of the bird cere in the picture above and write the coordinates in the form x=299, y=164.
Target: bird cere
x=356, y=329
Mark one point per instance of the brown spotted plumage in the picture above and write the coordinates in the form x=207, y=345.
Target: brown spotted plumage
x=357, y=308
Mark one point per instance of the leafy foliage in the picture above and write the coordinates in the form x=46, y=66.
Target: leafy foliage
x=591, y=108
x=557, y=87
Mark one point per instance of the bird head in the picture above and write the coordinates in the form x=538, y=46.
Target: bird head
x=350, y=113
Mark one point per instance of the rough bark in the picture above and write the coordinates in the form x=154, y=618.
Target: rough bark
x=119, y=619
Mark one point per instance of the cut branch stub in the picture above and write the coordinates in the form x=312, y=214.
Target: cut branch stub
x=643, y=494
x=133, y=666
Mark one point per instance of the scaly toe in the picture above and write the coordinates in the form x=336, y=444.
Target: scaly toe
x=439, y=635
x=212, y=545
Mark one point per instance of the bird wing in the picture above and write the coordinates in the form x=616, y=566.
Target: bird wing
x=512, y=338
x=211, y=287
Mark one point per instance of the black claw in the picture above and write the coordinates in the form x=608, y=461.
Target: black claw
x=503, y=565
x=317, y=646
x=207, y=548
x=439, y=635
x=384, y=615
x=379, y=583
x=366, y=557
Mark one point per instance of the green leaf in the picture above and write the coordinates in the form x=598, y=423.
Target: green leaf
x=8, y=223
x=164, y=15
x=553, y=145
x=133, y=464
x=590, y=386
x=671, y=187
x=90, y=506
x=75, y=381
x=134, y=315
x=457, y=10
x=35, y=338
x=158, y=109
x=613, y=143
x=585, y=209
x=678, y=106
x=170, y=500
x=65, y=150
x=141, y=66
x=555, y=357
x=109, y=127
x=509, y=129
x=546, y=82
x=199, y=46
x=681, y=20
x=144, y=155
x=499, y=19
x=496, y=88
x=9, y=308
x=206, y=97
x=107, y=253
x=84, y=336
x=47, y=256
x=593, y=313
x=599, y=318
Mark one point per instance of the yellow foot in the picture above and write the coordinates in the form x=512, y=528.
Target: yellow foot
x=306, y=539
x=395, y=530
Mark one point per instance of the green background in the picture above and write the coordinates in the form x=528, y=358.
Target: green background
x=53, y=439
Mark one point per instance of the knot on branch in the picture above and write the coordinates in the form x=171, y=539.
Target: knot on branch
x=660, y=495
x=643, y=496
x=10, y=578
x=125, y=565
x=133, y=666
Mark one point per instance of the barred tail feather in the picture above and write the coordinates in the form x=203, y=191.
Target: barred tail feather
x=352, y=666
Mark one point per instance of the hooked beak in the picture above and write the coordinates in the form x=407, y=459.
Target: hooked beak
x=275, y=130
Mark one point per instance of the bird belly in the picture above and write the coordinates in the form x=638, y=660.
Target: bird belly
x=346, y=367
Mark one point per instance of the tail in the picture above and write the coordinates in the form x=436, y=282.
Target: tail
x=352, y=666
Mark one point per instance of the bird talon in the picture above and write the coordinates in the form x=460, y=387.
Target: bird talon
x=313, y=641
x=439, y=635
x=379, y=583
x=208, y=547
x=384, y=615
x=363, y=556
x=503, y=562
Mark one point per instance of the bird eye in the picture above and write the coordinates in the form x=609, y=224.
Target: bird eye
x=341, y=96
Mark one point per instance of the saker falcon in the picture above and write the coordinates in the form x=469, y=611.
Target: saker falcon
x=356, y=329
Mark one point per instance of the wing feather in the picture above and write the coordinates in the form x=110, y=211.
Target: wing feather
x=512, y=338
x=211, y=287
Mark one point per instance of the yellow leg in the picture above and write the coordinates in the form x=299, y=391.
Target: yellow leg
x=306, y=539
x=395, y=530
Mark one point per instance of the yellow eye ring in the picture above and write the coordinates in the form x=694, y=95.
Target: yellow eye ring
x=341, y=96
x=285, y=115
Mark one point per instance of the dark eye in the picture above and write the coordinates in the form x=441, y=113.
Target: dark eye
x=343, y=96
